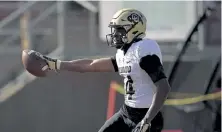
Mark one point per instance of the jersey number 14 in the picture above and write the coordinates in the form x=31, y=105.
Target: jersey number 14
x=129, y=88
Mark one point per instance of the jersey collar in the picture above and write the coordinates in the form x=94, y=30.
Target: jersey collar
x=125, y=47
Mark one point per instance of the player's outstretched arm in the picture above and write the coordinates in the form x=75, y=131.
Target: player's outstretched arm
x=81, y=65
x=88, y=65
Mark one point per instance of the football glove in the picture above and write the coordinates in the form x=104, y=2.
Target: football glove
x=52, y=64
x=143, y=126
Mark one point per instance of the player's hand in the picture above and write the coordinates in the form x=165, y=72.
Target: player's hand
x=143, y=126
x=52, y=64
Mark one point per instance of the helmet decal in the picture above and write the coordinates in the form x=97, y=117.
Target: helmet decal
x=134, y=18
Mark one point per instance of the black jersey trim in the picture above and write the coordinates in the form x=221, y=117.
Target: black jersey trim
x=113, y=59
x=153, y=67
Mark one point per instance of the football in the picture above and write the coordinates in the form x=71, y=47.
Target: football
x=33, y=63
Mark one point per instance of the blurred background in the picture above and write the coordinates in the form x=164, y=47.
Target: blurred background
x=189, y=35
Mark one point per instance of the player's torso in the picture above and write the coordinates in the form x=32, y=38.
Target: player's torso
x=138, y=86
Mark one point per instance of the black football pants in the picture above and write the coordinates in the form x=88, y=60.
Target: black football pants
x=126, y=119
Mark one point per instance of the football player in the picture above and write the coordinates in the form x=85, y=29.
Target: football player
x=139, y=61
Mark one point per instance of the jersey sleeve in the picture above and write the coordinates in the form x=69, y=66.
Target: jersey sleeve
x=113, y=59
x=151, y=60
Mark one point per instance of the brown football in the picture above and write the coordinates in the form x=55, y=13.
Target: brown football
x=33, y=63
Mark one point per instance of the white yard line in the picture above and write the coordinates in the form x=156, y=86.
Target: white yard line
x=14, y=86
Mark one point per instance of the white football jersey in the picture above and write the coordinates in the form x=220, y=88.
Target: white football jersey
x=139, y=88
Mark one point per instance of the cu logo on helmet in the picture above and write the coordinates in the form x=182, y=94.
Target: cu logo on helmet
x=134, y=18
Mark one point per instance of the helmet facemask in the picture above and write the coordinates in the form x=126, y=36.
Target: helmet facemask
x=118, y=37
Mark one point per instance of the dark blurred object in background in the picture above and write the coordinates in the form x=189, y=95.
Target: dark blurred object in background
x=217, y=124
x=219, y=83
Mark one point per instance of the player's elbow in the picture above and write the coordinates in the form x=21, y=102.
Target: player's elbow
x=163, y=85
x=166, y=89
